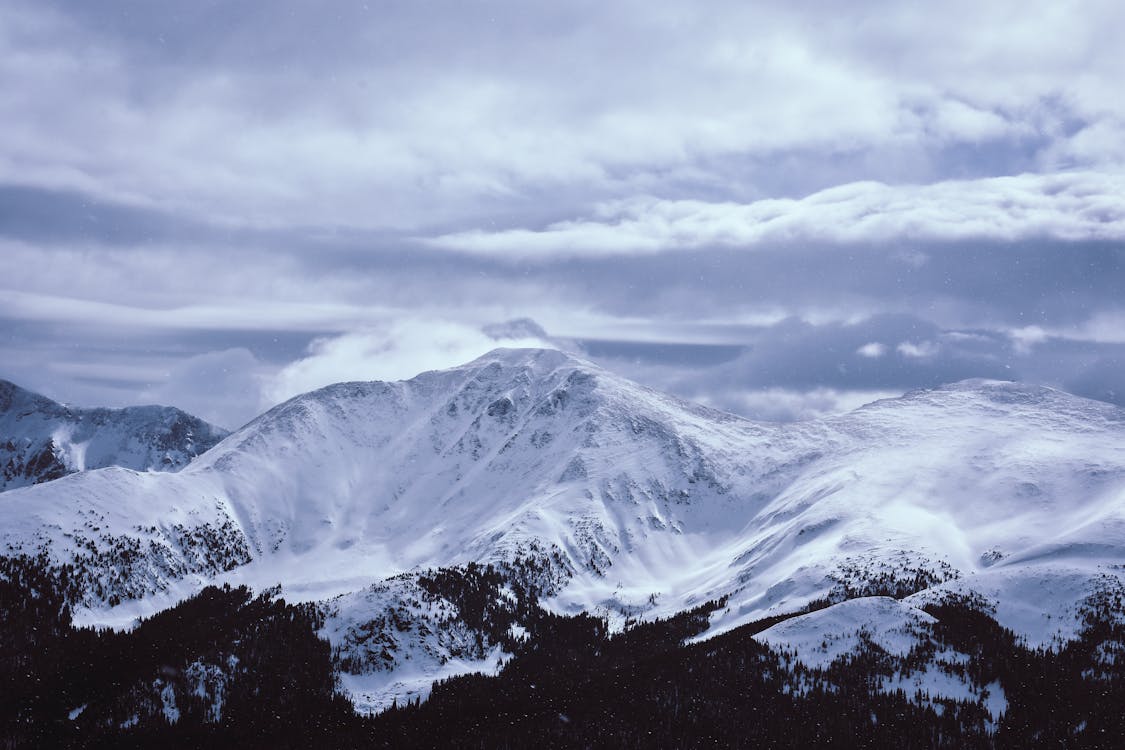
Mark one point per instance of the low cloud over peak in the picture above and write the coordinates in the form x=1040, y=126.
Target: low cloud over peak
x=397, y=351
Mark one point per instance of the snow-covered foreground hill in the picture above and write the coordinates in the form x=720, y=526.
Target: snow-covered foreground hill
x=41, y=439
x=591, y=493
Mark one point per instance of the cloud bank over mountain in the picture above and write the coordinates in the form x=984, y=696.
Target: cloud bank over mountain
x=780, y=209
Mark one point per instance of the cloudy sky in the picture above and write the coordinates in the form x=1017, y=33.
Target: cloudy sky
x=781, y=209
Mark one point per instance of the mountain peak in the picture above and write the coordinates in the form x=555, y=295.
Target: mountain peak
x=41, y=439
x=15, y=396
x=539, y=359
x=1008, y=395
x=519, y=328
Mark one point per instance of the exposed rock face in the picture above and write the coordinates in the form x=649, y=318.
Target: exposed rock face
x=41, y=439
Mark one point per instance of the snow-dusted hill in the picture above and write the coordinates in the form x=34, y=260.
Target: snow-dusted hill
x=622, y=501
x=41, y=439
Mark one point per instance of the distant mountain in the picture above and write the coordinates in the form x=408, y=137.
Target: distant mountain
x=41, y=439
x=582, y=492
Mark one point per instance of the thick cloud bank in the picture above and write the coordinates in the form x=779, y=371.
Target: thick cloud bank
x=782, y=209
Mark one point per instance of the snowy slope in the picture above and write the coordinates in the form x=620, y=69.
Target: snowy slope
x=41, y=439
x=997, y=481
x=892, y=626
x=633, y=502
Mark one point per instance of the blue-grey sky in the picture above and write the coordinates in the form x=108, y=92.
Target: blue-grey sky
x=781, y=209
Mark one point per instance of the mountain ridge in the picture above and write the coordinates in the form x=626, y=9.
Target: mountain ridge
x=42, y=439
x=628, y=503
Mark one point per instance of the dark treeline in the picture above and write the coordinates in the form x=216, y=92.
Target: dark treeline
x=253, y=663
x=249, y=671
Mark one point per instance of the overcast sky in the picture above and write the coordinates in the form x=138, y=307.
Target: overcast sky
x=781, y=209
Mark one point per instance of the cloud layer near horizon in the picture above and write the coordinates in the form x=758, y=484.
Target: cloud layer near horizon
x=1067, y=206
x=777, y=208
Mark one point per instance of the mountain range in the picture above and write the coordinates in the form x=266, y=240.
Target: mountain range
x=554, y=486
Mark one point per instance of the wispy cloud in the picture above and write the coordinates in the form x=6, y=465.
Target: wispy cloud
x=396, y=351
x=407, y=117
x=1066, y=206
x=872, y=350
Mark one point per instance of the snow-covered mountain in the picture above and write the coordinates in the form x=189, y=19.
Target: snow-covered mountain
x=41, y=439
x=592, y=493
